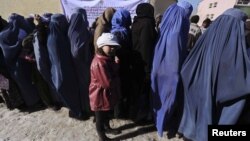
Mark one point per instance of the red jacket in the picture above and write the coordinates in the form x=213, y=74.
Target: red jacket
x=104, y=87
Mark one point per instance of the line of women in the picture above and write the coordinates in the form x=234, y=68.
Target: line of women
x=46, y=61
x=183, y=92
x=50, y=62
x=210, y=85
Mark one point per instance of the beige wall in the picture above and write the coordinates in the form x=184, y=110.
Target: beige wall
x=26, y=7
x=222, y=5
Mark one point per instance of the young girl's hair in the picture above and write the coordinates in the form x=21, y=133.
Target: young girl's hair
x=100, y=51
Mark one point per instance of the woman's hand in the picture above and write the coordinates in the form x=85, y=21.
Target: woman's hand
x=117, y=60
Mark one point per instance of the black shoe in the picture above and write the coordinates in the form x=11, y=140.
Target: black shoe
x=78, y=117
x=112, y=131
x=1, y=99
x=73, y=115
x=36, y=107
x=103, y=137
x=55, y=107
x=22, y=107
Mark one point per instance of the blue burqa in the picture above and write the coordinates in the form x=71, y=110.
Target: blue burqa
x=121, y=21
x=46, y=17
x=79, y=36
x=11, y=43
x=216, y=77
x=170, y=52
x=62, y=68
x=42, y=59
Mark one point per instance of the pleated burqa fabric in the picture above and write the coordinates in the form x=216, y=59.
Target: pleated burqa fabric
x=170, y=52
x=43, y=63
x=63, y=73
x=216, y=77
x=41, y=49
x=79, y=36
x=11, y=43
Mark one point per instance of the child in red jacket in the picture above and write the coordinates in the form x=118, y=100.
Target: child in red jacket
x=104, y=86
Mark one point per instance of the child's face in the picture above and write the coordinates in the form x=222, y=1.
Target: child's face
x=109, y=50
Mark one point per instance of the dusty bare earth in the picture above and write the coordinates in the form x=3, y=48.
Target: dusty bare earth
x=48, y=125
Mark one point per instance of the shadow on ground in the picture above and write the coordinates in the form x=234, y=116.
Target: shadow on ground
x=143, y=128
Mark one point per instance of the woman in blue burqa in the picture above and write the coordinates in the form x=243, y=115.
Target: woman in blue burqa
x=62, y=69
x=20, y=70
x=9, y=91
x=79, y=36
x=170, y=52
x=216, y=77
x=37, y=40
x=40, y=47
x=121, y=22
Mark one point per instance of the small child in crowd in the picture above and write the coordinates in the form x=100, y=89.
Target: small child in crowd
x=104, y=87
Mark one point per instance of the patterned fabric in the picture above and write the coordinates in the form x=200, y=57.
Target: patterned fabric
x=4, y=83
x=9, y=93
x=194, y=34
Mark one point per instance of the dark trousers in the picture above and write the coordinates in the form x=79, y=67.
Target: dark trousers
x=102, y=122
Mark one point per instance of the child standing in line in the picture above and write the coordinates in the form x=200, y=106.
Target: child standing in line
x=104, y=86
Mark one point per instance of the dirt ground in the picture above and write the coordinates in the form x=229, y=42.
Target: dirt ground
x=48, y=125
